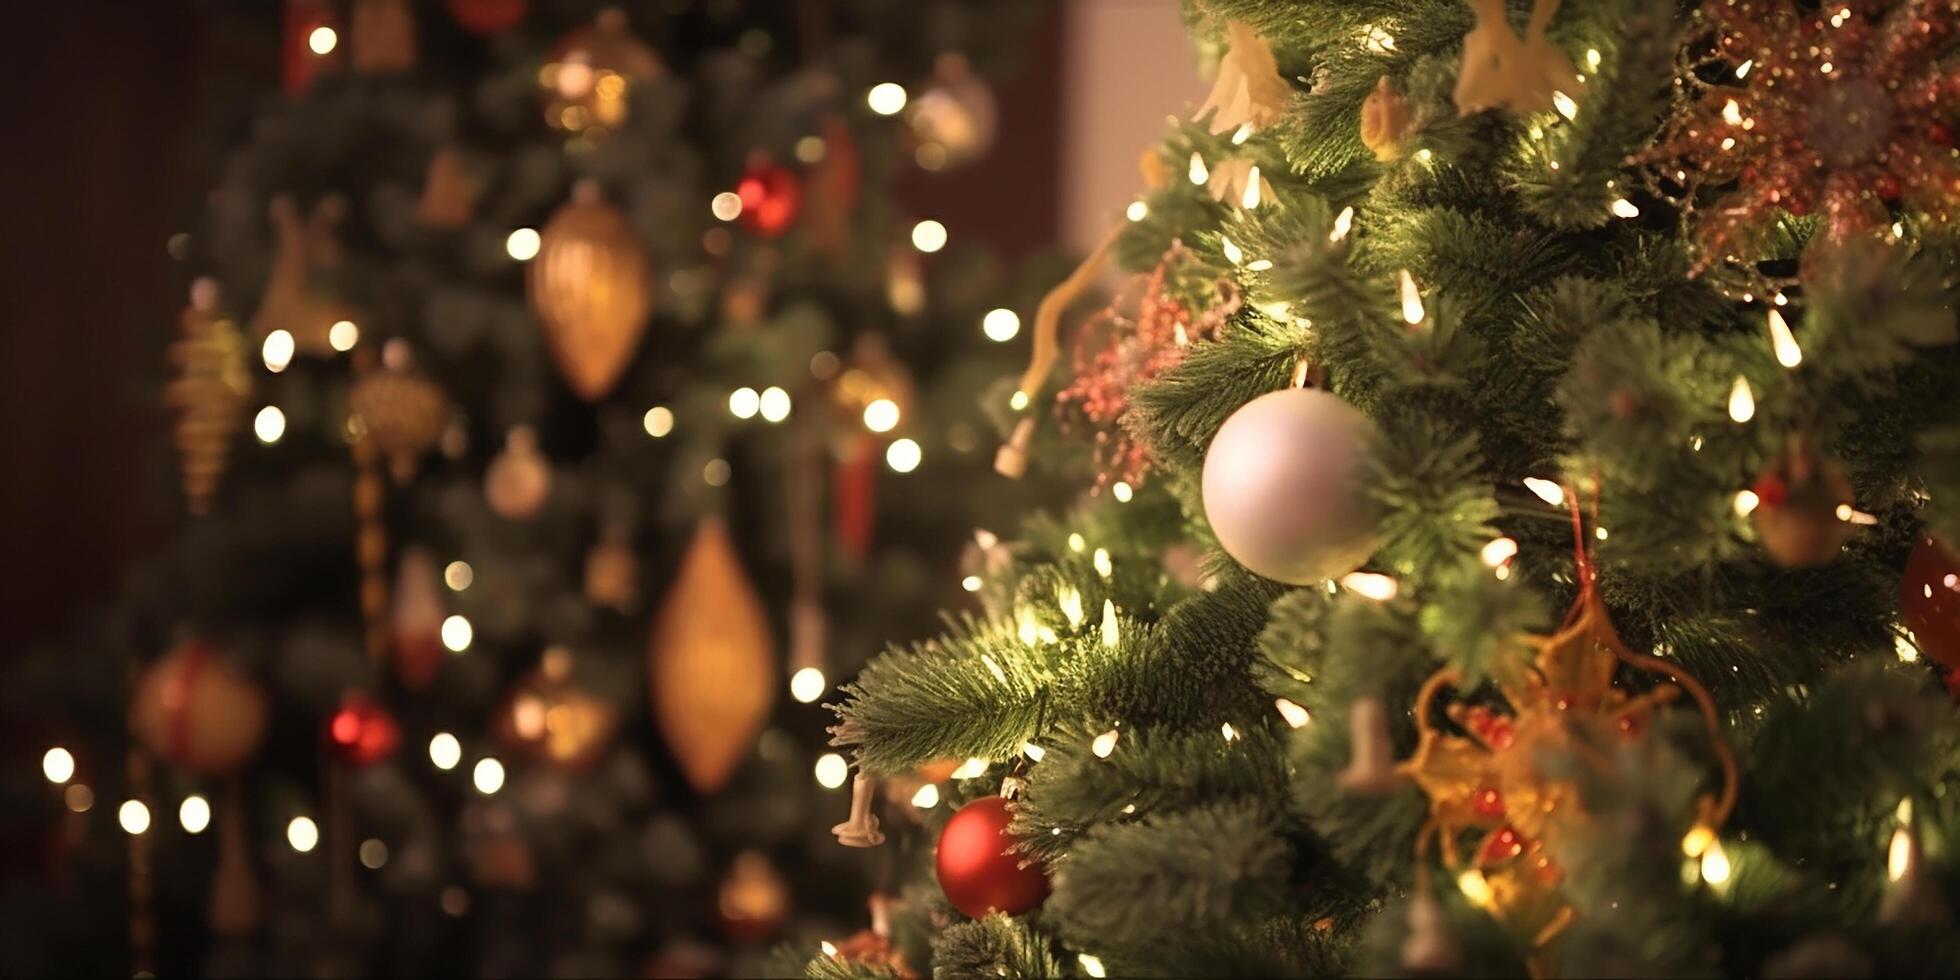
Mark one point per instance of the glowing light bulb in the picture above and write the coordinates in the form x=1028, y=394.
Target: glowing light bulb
x=1624, y=208
x=1092, y=966
x=881, y=415
x=1592, y=59
x=1231, y=734
x=1782, y=341
x=1742, y=70
x=1070, y=601
x=1412, y=311
x=1137, y=211
x=1565, y=106
x=445, y=751
x=1380, y=588
x=927, y=797
x=726, y=205
x=322, y=40
x=523, y=244
x=903, y=455
x=1343, y=223
x=1732, y=113
x=1199, y=172
x=1904, y=645
x=928, y=236
x=58, y=764
x=1295, y=715
x=970, y=769
x=1474, y=887
x=1546, y=490
x=1104, y=744
x=133, y=816
x=269, y=425
x=1101, y=560
x=1746, y=502
x=343, y=335
x=807, y=685
x=194, y=814
x=1233, y=253
x=886, y=98
x=373, y=854
x=1898, y=856
x=1251, y=199
x=829, y=948
x=488, y=776
x=1000, y=326
x=1696, y=840
x=1019, y=401
x=1742, y=401
x=832, y=770
x=457, y=634
x=1499, y=551
x=277, y=351
x=744, y=402
x=1032, y=751
x=1122, y=491
x=971, y=583
x=658, y=421
x=774, y=404
x=1110, y=630
x=303, y=834
x=458, y=575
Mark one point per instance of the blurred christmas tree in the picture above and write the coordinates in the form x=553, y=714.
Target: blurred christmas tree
x=561, y=385
x=1447, y=317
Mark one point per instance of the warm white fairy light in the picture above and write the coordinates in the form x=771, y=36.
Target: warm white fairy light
x=886, y=98
x=1732, y=113
x=1381, y=588
x=970, y=769
x=1231, y=734
x=1122, y=491
x=58, y=764
x=1474, y=887
x=1104, y=744
x=1898, y=856
x=971, y=583
x=1592, y=59
x=1032, y=751
x=903, y=455
x=1546, y=490
x=927, y=797
x=1000, y=325
x=1256, y=265
x=269, y=425
x=134, y=817
x=1742, y=401
x=929, y=236
x=322, y=40
x=277, y=351
x=1377, y=40
x=726, y=205
x=1498, y=551
x=1110, y=634
x=523, y=244
x=1624, y=208
x=373, y=853
x=743, y=402
x=1746, y=502
x=1070, y=600
x=1565, y=106
x=457, y=634
x=1295, y=715
x=1783, y=341
x=807, y=684
x=829, y=948
x=1424, y=155
x=1251, y=199
x=1697, y=840
x=1233, y=253
x=1904, y=645
x=1026, y=629
x=1092, y=966
x=303, y=834
x=1104, y=567
x=194, y=814
x=1343, y=223
x=1019, y=401
x=488, y=776
x=78, y=798
x=881, y=415
x=1412, y=311
x=1137, y=211
x=1199, y=172
x=445, y=752
x=1715, y=867
x=658, y=421
x=832, y=770
x=773, y=404
x=1600, y=533
x=1742, y=70
x=1852, y=515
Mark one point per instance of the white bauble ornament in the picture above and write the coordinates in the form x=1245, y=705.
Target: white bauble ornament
x=1281, y=486
x=519, y=479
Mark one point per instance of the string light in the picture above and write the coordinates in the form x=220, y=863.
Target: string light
x=928, y=236
x=373, y=854
x=1380, y=588
x=277, y=350
x=658, y=421
x=971, y=583
x=1852, y=515
x=726, y=205
x=1000, y=325
x=1104, y=744
x=1746, y=502
x=886, y=98
x=78, y=798
x=832, y=770
x=1546, y=490
x=1032, y=751
x=1122, y=491
x=715, y=472
x=58, y=764
x=269, y=425
x=303, y=834
x=445, y=751
x=1092, y=966
x=488, y=776
x=343, y=335
x=1782, y=341
x=1076, y=542
x=1295, y=715
x=194, y=814
x=1070, y=601
x=523, y=244
x=1231, y=734
x=1199, y=173
x=1104, y=567
x=1233, y=253
x=457, y=634
x=1905, y=647
x=322, y=41
x=1019, y=401
x=1251, y=199
x=1241, y=134
x=970, y=768
x=807, y=684
x=1109, y=628
x=1742, y=70
x=1898, y=857
x=134, y=817
x=1592, y=59
x=881, y=415
x=927, y=797
x=903, y=455
x=743, y=402
x=1742, y=401
x=829, y=948
x=1137, y=211
x=1624, y=208
x=1696, y=840
x=1499, y=551
x=1343, y=223
x=1565, y=106
x=1474, y=887
x=1715, y=867
x=1412, y=310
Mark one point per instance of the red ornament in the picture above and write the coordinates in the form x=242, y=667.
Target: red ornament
x=1929, y=599
x=978, y=871
x=362, y=732
x=487, y=17
x=192, y=708
x=771, y=196
x=854, y=494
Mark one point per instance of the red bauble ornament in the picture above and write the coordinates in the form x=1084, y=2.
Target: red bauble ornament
x=771, y=197
x=362, y=732
x=192, y=708
x=978, y=871
x=1929, y=599
x=487, y=17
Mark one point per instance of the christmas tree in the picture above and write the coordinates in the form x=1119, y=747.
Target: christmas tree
x=1523, y=538
x=562, y=385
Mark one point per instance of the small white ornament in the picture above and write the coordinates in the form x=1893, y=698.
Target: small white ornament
x=1281, y=486
x=519, y=479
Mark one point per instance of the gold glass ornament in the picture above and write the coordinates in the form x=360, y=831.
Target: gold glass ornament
x=754, y=899
x=590, y=287
x=1384, y=121
x=398, y=409
x=549, y=717
x=518, y=482
x=382, y=36
x=209, y=393
x=712, y=663
x=587, y=82
x=957, y=114
x=192, y=708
